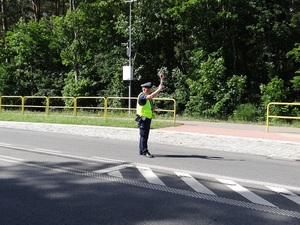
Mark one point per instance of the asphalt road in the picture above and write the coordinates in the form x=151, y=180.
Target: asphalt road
x=49, y=178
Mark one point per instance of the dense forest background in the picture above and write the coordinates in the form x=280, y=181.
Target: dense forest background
x=220, y=58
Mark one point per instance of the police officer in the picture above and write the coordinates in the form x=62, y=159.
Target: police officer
x=144, y=110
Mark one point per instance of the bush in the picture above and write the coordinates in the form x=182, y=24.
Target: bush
x=246, y=112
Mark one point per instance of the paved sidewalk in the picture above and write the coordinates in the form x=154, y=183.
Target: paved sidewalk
x=238, y=130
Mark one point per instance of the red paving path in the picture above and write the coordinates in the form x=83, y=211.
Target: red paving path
x=239, y=130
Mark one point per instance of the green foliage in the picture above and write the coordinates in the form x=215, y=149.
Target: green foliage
x=3, y=80
x=75, y=89
x=274, y=91
x=31, y=66
x=211, y=95
x=296, y=83
x=214, y=54
x=89, y=48
x=181, y=90
x=246, y=112
x=295, y=55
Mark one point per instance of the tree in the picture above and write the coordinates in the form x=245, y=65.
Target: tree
x=95, y=49
x=216, y=54
x=211, y=93
x=34, y=68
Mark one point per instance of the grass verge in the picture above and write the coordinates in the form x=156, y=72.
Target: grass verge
x=125, y=122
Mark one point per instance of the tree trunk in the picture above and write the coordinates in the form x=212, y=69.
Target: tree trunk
x=36, y=6
x=72, y=5
x=75, y=62
x=59, y=6
x=4, y=19
x=4, y=23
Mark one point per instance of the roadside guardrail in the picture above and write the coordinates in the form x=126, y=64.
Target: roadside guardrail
x=278, y=116
x=75, y=104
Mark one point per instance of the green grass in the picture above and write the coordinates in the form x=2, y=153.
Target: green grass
x=120, y=119
x=59, y=118
x=272, y=121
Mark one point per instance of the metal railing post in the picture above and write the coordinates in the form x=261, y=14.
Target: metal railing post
x=267, y=123
x=174, y=119
x=105, y=108
x=75, y=107
x=23, y=104
x=47, y=106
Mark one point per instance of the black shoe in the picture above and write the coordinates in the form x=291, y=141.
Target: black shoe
x=148, y=155
x=143, y=152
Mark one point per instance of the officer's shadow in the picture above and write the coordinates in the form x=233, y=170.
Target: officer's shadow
x=189, y=156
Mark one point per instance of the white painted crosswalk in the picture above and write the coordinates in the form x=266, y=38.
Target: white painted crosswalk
x=197, y=186
x=116, y=174
x=286, y=193
x=254, y=194
x=245, y=192
x=114, y=171
x=150, y=176
x=194, y=184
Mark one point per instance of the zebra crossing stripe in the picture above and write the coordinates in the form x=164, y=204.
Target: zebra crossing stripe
x=285, y=193
x=194, y=184
x=245, y=192
x=116, y=174
x=150, y=176
x=114, y=171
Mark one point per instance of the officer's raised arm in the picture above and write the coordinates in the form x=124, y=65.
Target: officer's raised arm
x=155, y=93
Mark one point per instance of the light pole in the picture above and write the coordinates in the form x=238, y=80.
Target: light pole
x=129, y=55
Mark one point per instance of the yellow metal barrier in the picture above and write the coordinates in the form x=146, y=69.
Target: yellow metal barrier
x=59, y=106
x=282, y=117
x=11, y=105
x=134, y=109
x=74, y=101
x=76, y=107
x=118, y=108
x=33, y=106
x=167, y=110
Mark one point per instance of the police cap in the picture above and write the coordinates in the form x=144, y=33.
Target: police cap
x=147, y=85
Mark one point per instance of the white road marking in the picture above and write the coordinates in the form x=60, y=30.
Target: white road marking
x=107, y=160
x=209, y=175
x=116, y=174
x=4, y=144
x=12, y=158
x=46, y=150
x=150, y=175
x=114, y=171
x=170, y=190
x=285, y=193
x=193, y=183
x=245, y=192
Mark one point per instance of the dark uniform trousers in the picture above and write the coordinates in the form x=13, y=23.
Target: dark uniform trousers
x=144, y=126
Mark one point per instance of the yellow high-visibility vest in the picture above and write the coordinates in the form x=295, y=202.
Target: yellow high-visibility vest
x=144, y=110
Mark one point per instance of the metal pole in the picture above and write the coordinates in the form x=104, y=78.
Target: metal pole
x=129, y=88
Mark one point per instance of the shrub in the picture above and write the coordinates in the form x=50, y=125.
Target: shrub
x=246, y=112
